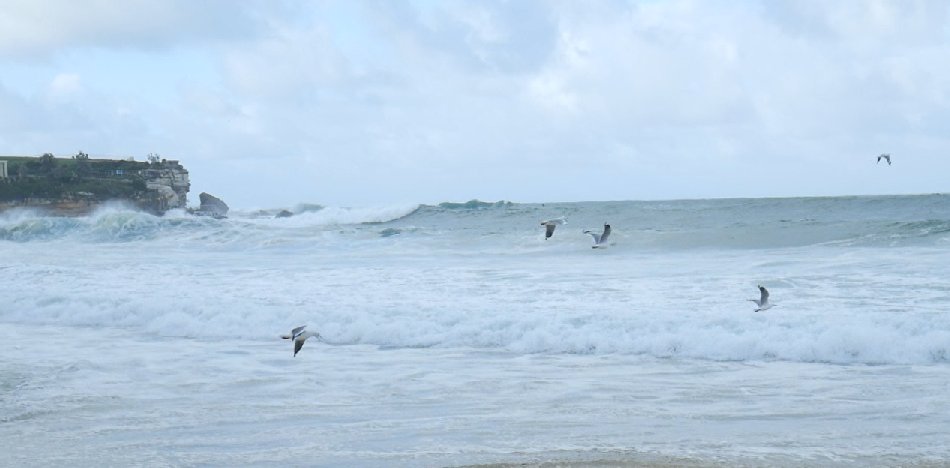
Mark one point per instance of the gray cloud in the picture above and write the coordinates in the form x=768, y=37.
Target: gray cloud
x=36, y=29
x=480, y=37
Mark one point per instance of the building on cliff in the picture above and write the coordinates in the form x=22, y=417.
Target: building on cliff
x=79, y=184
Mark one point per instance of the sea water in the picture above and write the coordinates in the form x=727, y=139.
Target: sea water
x=455, y=334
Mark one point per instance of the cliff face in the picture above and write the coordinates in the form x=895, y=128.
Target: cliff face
x=77, y=188
x=167, y=188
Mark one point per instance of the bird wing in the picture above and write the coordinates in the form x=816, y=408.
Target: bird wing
x=765, y=295
x=603, y=237
x=297, y=331
x=549, y=230
x=595, y=235
x=297, y=345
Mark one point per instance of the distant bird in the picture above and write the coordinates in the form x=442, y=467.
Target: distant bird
x=600, y=239
x=299, y=336
x=550, y=224
x=763, y=301
x=884, y=156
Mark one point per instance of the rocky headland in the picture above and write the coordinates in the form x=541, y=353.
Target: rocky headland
x=78, y=185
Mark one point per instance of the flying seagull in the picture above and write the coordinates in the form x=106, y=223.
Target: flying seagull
x=884, y=156
x=550, y=224
x=600, y=239
x=299, y=336
x=763, y=301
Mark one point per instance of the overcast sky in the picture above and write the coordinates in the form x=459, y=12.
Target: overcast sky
x=273, y=103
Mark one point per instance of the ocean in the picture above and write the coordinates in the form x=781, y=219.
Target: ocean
x=455, y=334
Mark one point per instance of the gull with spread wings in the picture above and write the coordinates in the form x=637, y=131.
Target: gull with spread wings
x=299, y=336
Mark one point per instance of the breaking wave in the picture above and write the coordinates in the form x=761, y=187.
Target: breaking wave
x=119, y=223
x=876, y=338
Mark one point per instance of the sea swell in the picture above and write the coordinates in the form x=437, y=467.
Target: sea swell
x=668, y=225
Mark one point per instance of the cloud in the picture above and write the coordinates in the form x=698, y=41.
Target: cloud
x=339, y=102
x=478, y=37
x=36, y=29
x=65, y=84
x=66, y=116
x=867, y=26
x=290, y=62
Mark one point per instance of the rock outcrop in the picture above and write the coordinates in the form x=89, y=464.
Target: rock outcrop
x=211, y=206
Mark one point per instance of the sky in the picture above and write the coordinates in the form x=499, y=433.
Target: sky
x=372, y=103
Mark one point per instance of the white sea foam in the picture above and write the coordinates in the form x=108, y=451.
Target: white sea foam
x=577, y=304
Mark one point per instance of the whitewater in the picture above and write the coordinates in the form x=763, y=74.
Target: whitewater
x=454, y=334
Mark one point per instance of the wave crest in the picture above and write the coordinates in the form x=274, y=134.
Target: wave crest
x=316, y=216
x=114, y=222
x=474, y=204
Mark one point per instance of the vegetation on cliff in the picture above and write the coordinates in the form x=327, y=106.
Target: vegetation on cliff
x=49, y=177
